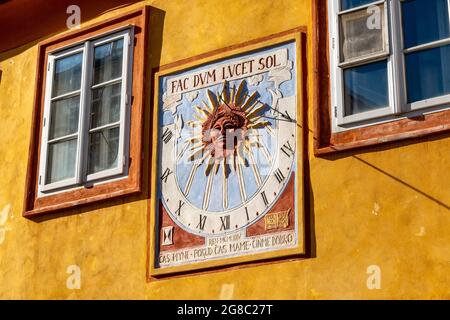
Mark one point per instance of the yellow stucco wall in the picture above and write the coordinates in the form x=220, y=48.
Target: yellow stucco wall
x=388, y=207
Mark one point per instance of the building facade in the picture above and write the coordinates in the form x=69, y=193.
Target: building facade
x=346, y=102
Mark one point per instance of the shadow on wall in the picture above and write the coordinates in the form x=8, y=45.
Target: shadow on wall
x=25, y=21
x=310, y=235
x=356, y=154
x=153, y=50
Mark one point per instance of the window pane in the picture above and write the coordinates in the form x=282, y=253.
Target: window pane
x=348, y=4
x=365, y=88
x=105, y=105
x=361, y=34
x=428, y=73
x=64, y=117
x=103, y=149
x=67, y=75
x=61, y=160
x=424, y=21
x=108, y=61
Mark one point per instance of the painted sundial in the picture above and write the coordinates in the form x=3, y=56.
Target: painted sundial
x=227, y=152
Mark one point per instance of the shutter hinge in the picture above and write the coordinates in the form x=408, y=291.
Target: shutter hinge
x=335, y=112
x=333, y=43
x=40, y=180
x=48, y=67
x=45, y=120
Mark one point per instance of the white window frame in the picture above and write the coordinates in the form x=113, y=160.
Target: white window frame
x=397, y=86
x=81, y=177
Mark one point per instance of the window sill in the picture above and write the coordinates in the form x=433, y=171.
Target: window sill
x=410, y=128
x=70, y=199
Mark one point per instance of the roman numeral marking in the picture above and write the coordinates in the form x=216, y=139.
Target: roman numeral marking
x=180, y=205
x=167, y=135
x=167, y=236
x=279, y=175
x=287, y=149
x=201, y=224
x=225, y=223
x=166, y=174
x=263, y=195
x=246, y=213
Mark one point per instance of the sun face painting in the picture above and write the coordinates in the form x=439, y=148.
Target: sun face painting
x=227, y=182
x=227, y=136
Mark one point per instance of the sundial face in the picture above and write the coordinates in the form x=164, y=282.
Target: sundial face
x=227, y=145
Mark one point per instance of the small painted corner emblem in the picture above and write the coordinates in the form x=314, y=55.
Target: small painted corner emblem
x=277, y=220
x=167, y=236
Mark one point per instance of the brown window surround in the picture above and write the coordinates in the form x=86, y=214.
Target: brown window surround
x=325, y=141
x=131, y=184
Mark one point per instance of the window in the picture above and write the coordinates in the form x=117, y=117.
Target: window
x=85, y=134
x=388, y=60
x=86, y=139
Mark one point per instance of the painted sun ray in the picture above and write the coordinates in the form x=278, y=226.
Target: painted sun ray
x=259, y=124
x=241, y=182
x=255, y=112
x=253, y=106
x=183, y=150
x=205, y=113
x=195, y=155
x=224, y=185
x=194, y=124
x=217, y=167
x=266, y=153
x=225, y=95
x=233, y=94
x=194, y=138
x=257, y=118
x=250, y=101
x=195, y=145
x=269, y=130
x=264, y=149
x=207, y=107
x=207, y=194
x=192, y=173
x=209, y=166
x=241, y=157
x=212, y=99
x=239, y=94
x=207, y=155
x=254, y=167
x=199, y=117
x=234, y=160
